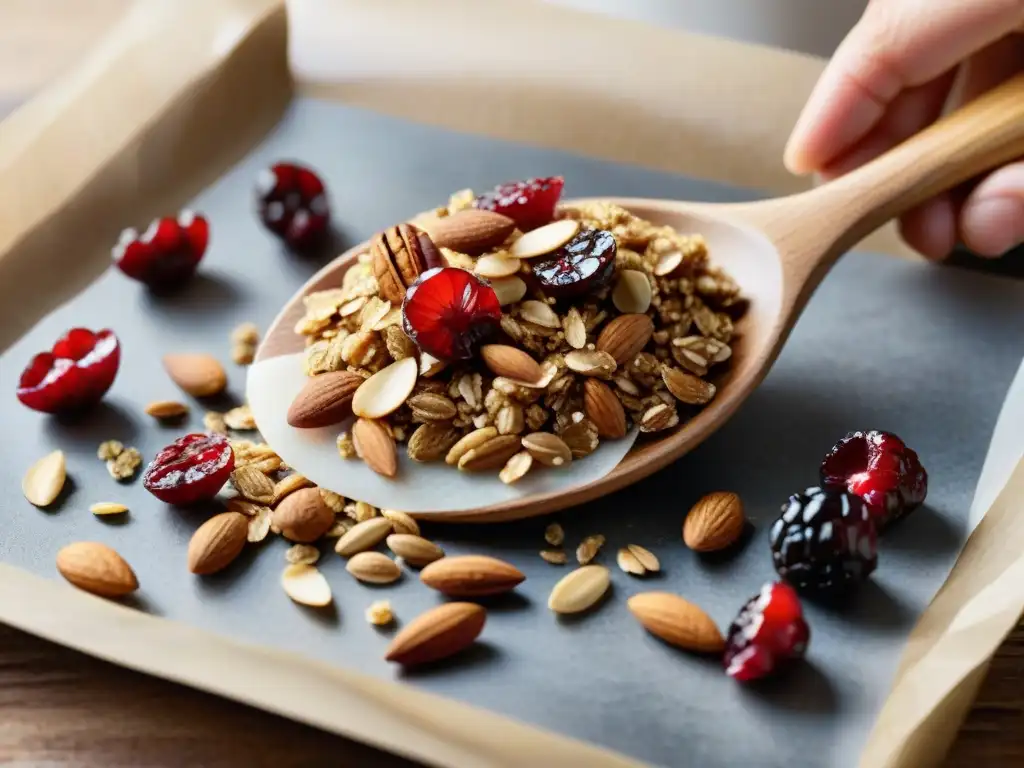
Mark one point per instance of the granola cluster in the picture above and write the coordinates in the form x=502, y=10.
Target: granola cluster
x=466, y=414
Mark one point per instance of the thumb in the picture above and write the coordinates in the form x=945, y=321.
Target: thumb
x=897, y=44
x=992, y=219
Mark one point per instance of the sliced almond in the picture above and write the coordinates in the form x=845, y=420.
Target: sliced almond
x=580, y=589
x=511, y=362
x=632, y=292
x=363, y=536
x=104, y=508
x=473, y=440
x=430, y=365
x=539, y=313
x=375, y=445
x=645, y=557
x=629, y=563
x=496, y=265
x=289, y=484
x=415, y=550
x=575, y=329
x=166, y=409
x=44, y=480
x=668, y=263
x=402, y=522
x=440, y=632
x=588, y=548
x=253, y=484
x=554, y=556
x=386, y=390
x=306, y=585
x=516, y=468
x=591, y=362
x=491, y=455
x=686, y=387
x=259, y=525
x=509, y=289
x=554, y=535
x=677, y=621
x=302, y=554
x=546, y=239
x=373, y=568
x=548, y=449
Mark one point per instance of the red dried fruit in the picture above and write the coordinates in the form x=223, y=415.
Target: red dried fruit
x=768, y=631
x=193, y=468
x=75, y=374
x=167, y=253
x=530, y=203
x=448, y=312
x=881, y=469
x=292, y=203
x=583, y=265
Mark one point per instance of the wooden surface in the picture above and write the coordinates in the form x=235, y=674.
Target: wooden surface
x=60, y=708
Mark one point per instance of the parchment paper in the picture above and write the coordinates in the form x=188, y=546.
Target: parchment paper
x=171, y=100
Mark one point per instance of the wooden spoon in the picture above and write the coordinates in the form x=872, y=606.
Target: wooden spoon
x=778, y=251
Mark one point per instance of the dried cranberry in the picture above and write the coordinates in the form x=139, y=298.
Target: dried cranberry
x=881, y=469
x=448, y=312
x=530, y=203
x=292, y=203
x=768, y=631
x=75, y=374
x=583, y=265
x=191, y=469
x=167, y=253
x=824, y=542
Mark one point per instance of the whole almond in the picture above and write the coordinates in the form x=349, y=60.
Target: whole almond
x=96, y=568
x=437, y=634
x=686, y=387
x=45, y=479
x=579, y=590
x=511, y=362
x=604, y=409
x=471, y=576
x=303, y=516
x=386, y=390
x=625, y=337
x=375, y=446
x=548, y=449
x=166, y=410
x=415, y=550
x=325, y=399
x=676, y=621
x=199, y=375
x=217, y=542
x=715, y=522
x=373, y=568
x=491, y=455
x=472, y=231
x=363, y=536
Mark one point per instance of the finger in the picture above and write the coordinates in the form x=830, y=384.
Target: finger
x=894, y=46
x=930, y=229
x=992, y=66
x=911, y=111
x=992, y=219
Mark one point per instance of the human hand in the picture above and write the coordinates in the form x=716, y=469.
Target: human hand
x=890, y=78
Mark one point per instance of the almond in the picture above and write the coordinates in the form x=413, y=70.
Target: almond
x=579, y=590
x=511, y=362
x=103, y=508
x=495, y=266
x=217, y=542
x=491, y=455
x=415, y=550
x=471, y=576
x=625, y=336
x=472, y=231
x=686, y=387
x=604, y=409
x=632, y=292
x=548, y=449
x=303, y=515
x=431, y=441
x=373, y=568
x=437, y=634
x=715, y=522
x=402, y=522
x=324, y=400
x=197, y=374
x=474, y=439
x=166, y=410
x=676, y=621
x=363, y=536
x=509, y=290
x=306, y=585
x=545, y=239
x=252, y=484
x=96, y=568
x=44, y=480
x=387, y=390
x=375, y=446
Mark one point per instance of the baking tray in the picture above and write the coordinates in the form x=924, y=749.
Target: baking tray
x=599, y=678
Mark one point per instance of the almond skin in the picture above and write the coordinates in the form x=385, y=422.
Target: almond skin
x=375, y=446
x=715, y=522
x=96, y=568
x=324, y=400
x=604, y=409
x=677, y=621
x=217, y=542
x=197, y=374
x=437, y=634
x=472, y=231
x=511, y=362
x=625, y=336
x=303, y=516
x=471, y=576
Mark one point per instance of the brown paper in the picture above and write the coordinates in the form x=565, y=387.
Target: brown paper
x=180, y=89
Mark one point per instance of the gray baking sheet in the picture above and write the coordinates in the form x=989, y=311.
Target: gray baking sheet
x=925, y=351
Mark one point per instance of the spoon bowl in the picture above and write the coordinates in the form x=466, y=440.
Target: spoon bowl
x=777, y=250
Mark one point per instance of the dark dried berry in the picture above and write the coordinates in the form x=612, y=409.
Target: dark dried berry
x=824, y=542
x=191, y=469
x=73, y=375
x=583, y=265
x=768, y=631
x=881, y=469
x=292, y=203
x=167, y=253
x=530, y=203
x=449, y=312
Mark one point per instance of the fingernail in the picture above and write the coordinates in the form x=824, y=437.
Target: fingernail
x=994, y=225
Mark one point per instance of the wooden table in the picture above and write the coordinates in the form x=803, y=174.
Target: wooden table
x=59, y=707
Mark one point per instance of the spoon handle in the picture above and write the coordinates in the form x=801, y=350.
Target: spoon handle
x=978, y=137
